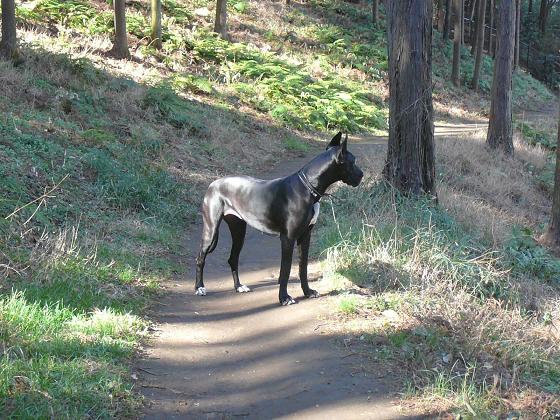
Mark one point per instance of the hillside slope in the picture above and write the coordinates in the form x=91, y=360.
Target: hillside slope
x=102, y=163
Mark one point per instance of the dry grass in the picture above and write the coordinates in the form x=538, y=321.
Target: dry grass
x=488, y=191
x=458, y=350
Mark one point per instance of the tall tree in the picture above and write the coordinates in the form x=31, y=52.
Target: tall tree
x=479, y=43
x=552, y=235
x=156, y=24
x=440, y=15
x=410, y=155
x=8, y=44
x=500, y=129
x=491, y=40
x=120, y=45
x=455, y=76
x=473, y=22
x=220, y=24
x=544, y=13
x=517, y=33
x=374, y=11
x=447, y=20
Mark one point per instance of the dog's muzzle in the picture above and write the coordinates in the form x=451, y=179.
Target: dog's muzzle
x=355, y=178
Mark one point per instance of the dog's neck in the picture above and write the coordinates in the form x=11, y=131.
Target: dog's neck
x=320, y=172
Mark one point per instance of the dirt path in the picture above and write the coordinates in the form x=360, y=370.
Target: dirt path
x=231, y=355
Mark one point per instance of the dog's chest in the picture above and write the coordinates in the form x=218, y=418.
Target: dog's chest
x=316, y=209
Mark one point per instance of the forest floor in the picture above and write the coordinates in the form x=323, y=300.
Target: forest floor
x=231, y=355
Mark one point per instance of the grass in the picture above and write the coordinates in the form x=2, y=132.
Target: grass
x=472, y=318
x=102, y=163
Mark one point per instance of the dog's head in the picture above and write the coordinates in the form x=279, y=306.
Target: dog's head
x=345, y=162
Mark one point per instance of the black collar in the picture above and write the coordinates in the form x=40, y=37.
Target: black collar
x=303, y=178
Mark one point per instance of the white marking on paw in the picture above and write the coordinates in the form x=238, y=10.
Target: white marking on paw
x=288, y=301
x=201, y=291
x=243, y=289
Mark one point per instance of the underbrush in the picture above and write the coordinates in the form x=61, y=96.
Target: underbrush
x=475, y=323
x=474, y=326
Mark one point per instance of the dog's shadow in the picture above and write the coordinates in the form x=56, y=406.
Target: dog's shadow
x=273, y=281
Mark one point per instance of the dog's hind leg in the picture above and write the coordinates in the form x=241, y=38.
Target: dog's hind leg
x=303, y=248
x=212, y=213
x=237, y=227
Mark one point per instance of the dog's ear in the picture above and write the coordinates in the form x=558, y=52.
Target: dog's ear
x=341, y=153
x=335, y=140
x=344, y=144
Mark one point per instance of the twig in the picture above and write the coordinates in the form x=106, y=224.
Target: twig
x=151, y=373
x=351, y=354
x=319, y=326
x=45, y=195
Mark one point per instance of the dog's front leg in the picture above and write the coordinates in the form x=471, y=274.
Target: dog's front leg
x=303, y=247
x=285, y=267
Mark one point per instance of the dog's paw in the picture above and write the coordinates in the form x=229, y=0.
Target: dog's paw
x=287, y=300
x=311, y=294
x=201, y=291
x=242, y=289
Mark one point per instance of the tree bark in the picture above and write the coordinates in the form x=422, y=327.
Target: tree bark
x=120, y=45
x=374, y=11
x=491, y=49
x=473, y=21
x=455, y=76
x=517, y=32
x=500, y=129
x=8, y=44
x=462, y=20
x=410, y=156
x=552, y=236
x=479, y=44
x=543, y=15
x=447, y=20
x=156, y=24
x=220, y=24
x=440, y=13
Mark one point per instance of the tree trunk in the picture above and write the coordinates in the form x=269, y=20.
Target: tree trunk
x=375, y=11
x=500, y=130
x=410, y=155
x=491, y=49
x=552, y=236
x=156, y=24
x=462, y=14
x=455, y=76
x=473, y=21
x=543, y=15
x=220, y=24
x=8, y=44
x=517, y=32
x=120, y=46
x=440, y=15
x=479, y=44
x=447, y=21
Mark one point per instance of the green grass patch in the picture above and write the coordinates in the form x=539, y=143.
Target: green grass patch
x=61, y=362
x=348, y=304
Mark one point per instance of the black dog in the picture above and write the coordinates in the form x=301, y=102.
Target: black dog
x=288, y=207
